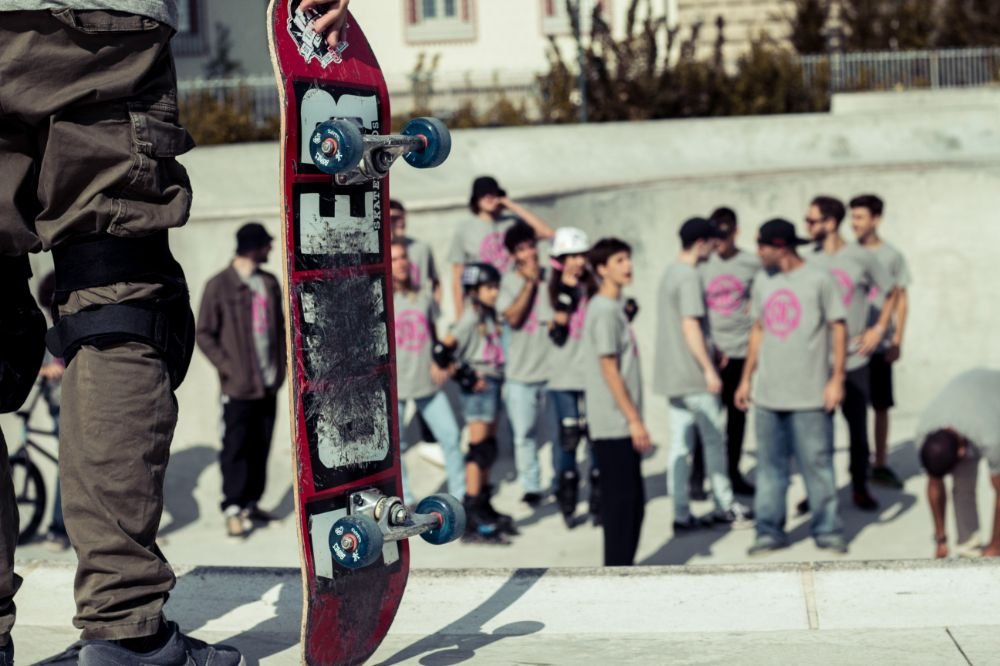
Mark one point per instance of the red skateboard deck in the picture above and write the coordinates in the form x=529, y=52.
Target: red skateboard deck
x=338, y=299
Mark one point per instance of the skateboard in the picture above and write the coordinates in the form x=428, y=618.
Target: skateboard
x=335, y=162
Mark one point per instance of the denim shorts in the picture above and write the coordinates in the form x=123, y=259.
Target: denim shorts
x=482, y=406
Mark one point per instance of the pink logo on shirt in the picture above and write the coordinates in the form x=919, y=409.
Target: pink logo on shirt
x=531, y=325
x=492, y=350
x=782, y=313
x=412, y=330
x=873, y=293
x=846, y=285
x=259, y=313
x=724, y=294
x=492, y=251
x=577, y=319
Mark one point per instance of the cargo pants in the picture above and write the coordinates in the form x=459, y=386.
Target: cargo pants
x=88, y=139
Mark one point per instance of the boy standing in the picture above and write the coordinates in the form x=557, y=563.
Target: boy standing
x=613, y=394
x=798, y=329
x=686, y=375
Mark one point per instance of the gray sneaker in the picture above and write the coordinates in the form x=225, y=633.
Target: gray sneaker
x=7, y=654
x=832, y=542
x=765, y=544
x=68, y=657
x=180, y=650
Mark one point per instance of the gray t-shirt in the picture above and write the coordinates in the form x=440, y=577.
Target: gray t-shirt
x=676, y=372
x=727, y=285
x=568, y=363
x=479, y=240
x=527, y=351
x=260, y=321
x=894, y=261
x=423, y=271
x=414, y=322
x=607, y=332
x=968, y=404
x=164, y=11
x=795, y=310
x=856, y=271
x=479, y=343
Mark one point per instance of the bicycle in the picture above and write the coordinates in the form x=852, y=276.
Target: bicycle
x=27, y=479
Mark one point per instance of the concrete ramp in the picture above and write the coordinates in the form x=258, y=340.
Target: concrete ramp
x=847, y=613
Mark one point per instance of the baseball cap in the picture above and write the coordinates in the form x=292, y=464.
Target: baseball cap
x=779, y=233
x=252, y=236
x=485, y=185
x=696, y=229
x=569, y=240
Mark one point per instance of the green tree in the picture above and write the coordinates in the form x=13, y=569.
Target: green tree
x=808, y=26
x=222, y=65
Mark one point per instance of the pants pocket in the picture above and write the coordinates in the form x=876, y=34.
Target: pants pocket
x=96, y=21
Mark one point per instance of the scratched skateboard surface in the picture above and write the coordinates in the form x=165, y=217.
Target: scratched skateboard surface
x=341, y=342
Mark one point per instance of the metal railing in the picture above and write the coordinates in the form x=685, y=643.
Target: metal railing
x=885, y=70
x=446, y=96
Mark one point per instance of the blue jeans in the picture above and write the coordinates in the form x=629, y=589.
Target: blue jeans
x=702, y=412
x=439, y=417
x=807, y=435
x=566, y=405
x=524, y=405
x=483, y=405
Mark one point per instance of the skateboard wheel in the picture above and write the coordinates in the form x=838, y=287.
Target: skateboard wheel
x=336, y=146
x=451, y=513
x=437, y=138
x=355, y=541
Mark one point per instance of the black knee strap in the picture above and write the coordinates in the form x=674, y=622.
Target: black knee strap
x=95, y=261
x=483, y=454
x=570, y=433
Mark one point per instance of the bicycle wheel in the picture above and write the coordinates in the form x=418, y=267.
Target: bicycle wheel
x=29, y=491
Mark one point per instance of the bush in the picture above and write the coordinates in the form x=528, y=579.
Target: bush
x=225, y=118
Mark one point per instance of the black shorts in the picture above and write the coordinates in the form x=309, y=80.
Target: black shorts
x=880, y=382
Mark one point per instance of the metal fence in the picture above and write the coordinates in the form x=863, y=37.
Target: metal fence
x=258, y=95
x=952, y=68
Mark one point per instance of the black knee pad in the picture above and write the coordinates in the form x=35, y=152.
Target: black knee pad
x=483, y=454
x=571, y=431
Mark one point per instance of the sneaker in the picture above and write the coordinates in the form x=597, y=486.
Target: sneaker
x=179, y=649
x=764, y=544
x=832, y=542
x=68, y=657
x=883, y=476
x=257, y=516
x=737, y=517
x=864, y=501
x=7, y=654
x=56, y=541
x=533, y=499
x=432, y=453
x=691, y=524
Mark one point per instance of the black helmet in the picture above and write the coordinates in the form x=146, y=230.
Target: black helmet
x=477, y=274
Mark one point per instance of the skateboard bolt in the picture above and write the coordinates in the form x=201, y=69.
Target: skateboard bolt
x=329, y=146
x=349, y=543
x=399, y=515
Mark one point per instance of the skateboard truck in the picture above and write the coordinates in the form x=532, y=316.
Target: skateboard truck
x=339, y=148
x=373, y=519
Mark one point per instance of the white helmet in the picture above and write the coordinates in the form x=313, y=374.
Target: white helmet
x=569, y=240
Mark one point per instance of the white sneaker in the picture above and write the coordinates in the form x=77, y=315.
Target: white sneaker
x=432, y=453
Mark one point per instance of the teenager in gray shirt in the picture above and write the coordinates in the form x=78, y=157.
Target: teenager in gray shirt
x=613, y=390
x=569, y=290
x=417, y=377
x=866, y=216
x=726, y=279
x=796, y=356
x=480, y=239
x=686, y=375
x=960, y=427
x=527, y=312
x=857, y=271
x=423, y=270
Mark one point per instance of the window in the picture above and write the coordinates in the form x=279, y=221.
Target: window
x=555, y=17
x=439, y=20
x=190, y=38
